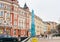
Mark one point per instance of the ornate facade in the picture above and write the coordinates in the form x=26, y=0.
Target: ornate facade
x=13, y=19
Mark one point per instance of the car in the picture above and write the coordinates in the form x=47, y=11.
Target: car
x=23, y=38
x=7, y=38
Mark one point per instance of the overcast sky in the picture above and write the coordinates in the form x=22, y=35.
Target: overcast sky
x=48, y=10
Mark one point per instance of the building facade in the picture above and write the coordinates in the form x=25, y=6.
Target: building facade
x=38, y=25
x=53, y=24
x=47, y=28
x=50, y=27
x=13, y=19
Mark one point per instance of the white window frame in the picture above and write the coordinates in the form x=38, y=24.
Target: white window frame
x=8, y=15
x=1, y=20
x=1, y=13
x=1, y=5
x=15, y=23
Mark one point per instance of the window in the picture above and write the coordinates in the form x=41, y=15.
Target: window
x=37, y=30
x=15, y=8
x=8, y=22
x=37, y=26
x=45, y=29
x=8, y=31
x=1, y=20
x=1, y=5
x=21, y=12
x=1, y=13
x=8, y=15
x=15, y=23
x=15, y=15
x=20, y=24
x=15, y=32
x=1, y=31
x=8, y=7
x=24, y=24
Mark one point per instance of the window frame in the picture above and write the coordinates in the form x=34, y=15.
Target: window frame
x=1, y=13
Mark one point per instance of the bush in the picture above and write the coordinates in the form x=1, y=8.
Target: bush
x=56, y=35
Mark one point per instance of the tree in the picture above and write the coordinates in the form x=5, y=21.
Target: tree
x=58, y=28
x=53, y=31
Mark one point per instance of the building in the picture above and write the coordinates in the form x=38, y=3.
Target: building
x=47, y=27
x=39, y=25
x=53, y=24
x=50, y=27
x=14, y=20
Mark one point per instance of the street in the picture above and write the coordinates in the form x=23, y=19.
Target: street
x=49, y=40
x=46, y=40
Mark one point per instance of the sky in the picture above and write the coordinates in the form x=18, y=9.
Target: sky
x=47, y=10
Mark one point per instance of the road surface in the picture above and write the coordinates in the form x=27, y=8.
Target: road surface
x=46, y=40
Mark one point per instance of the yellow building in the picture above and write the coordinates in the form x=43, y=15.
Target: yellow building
x=38, y=25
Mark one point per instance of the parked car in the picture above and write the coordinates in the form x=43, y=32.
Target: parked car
x=7, y=38
x=23, y=38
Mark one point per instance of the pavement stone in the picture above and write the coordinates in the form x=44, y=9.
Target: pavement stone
x=46, y=40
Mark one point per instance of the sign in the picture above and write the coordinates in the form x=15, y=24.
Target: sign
x=34, y=40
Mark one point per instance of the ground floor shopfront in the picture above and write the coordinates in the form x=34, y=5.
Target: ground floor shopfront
x=13, y=31
x=17, y=32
